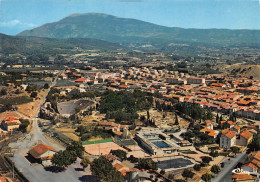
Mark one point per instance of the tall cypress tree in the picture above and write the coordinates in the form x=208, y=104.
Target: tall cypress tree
x=176, y=119
x=217, y=119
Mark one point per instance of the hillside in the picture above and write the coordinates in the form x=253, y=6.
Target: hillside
x=27, y=45
x=243, y=70
x=124, y=30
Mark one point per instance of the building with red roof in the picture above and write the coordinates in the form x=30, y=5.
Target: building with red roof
x=10, y=123
x=42, y=153
x=81, y=80
x=253, y=163
x=246, y=137
x=227, y=139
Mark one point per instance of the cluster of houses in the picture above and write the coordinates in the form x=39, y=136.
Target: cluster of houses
x=231, y=134
x=219, y=93
x=250, y=168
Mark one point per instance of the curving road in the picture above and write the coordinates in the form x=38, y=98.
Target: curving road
x=35, y=172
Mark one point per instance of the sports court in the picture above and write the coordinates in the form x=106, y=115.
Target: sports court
x=102, y=148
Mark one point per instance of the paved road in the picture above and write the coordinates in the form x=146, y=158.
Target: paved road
x=226, y=173
x=36, y=172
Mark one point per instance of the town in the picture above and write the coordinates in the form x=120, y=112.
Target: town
x=129, y=91
x=143, y=123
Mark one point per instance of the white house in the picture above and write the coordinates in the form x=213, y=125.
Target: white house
x=228, y=139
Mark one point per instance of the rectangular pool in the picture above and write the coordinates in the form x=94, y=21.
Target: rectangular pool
x=161, y=144
x=174, y=163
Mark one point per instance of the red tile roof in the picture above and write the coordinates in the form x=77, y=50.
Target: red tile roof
x=81, y=80
x=246, y=134
x=2, y=179
x=10, y=118
x=230, y=134
x=40, y=149
x=242, y=177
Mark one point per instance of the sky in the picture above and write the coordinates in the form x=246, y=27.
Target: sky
x=19, y=15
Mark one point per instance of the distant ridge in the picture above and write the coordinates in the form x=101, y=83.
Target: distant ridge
x=27, y=45
x=125, y=30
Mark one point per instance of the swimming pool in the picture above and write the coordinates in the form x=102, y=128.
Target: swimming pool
x=174, y=163
x=161, y=144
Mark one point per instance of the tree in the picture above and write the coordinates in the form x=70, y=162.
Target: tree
x=63, y=159
x=34, y=94
x=162, y=172
x=46, y=86
x=147, y=164
x=76, y=147
x=215, y=169
x=85, y=162
x=255, y=144
x=187, y=173
x=221, y=118
x=197, y=167
x=176, y=119
x=3, y=91
x=214, y=153
x=119, y=153
x=104, y=171
x=206, y=159
x=235, y=150
x=24, y=124
x=206, y=177
x=17, y=91
x=217, y=119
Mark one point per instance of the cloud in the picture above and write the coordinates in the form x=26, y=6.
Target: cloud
x=15, y=23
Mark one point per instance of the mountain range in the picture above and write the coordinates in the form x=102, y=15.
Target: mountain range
x=131, y=31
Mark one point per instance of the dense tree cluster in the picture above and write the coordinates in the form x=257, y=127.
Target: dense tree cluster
x=86, y=132
x=119, y=153
x=147, y=164
x=24, y=124
x=199, y=138
x=194, y=111
x=123, y=105
x=67, y=157
x=104, y=170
